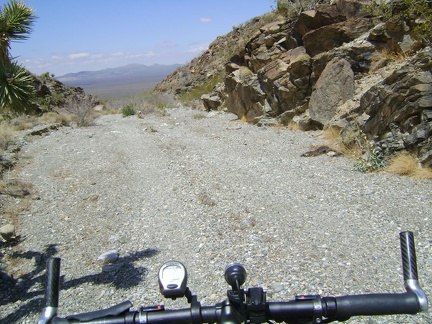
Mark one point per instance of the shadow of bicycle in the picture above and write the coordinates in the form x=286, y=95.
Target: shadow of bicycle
x=26, y=295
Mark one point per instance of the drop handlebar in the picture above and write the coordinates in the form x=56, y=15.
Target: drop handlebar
x=250, y=305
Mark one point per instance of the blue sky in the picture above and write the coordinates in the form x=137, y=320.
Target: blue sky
x=82, y=35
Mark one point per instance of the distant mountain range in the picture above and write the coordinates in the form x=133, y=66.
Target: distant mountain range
x=120, y=81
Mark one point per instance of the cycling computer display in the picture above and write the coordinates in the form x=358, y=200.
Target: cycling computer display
x=172, y=279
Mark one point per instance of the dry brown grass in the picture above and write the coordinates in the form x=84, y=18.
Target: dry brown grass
x=405, y=164
x=293, y=126
x=55, y=118
x=333, y=140
x=393, y=55
x=6, y=135
x=15, y=187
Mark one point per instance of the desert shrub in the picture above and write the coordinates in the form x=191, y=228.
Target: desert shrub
x=146, y=102
x=293, y=8
x=154, y=102
x=24, y=126
x=55, y=118
x=416, y=14
x=22, y=122
x=6, y=136
x=204, y=88
x=128, y=110
x=82, y=110
x=373, y=158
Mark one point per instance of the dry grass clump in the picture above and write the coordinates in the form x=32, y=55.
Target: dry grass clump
x=334, y=141
x=293, y=126
x=6, y=135
x=15, y=187
x=55, y=118
x=405, y=164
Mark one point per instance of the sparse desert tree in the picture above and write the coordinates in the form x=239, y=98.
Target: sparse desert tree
x=82, y=109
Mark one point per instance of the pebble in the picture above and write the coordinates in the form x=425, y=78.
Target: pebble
x=109, y=257
x=7, y=232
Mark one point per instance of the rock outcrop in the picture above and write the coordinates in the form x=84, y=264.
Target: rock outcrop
x=52, y=94
x=335, y=66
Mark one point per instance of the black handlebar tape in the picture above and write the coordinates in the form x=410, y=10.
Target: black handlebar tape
x=52, y=282
x=409, y=260
x=377, y=304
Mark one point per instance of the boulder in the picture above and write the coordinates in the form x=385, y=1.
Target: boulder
x=211, y=102
x=334, y=87
x=322, y=15
x=328, y=37
x=393, y=37
x=244, y=96
x=353, y=8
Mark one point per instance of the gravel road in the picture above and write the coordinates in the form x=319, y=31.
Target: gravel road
x=207, y=190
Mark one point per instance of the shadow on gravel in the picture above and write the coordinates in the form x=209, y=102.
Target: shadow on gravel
x=28, y=292
x=20, y=291
x=122, y=274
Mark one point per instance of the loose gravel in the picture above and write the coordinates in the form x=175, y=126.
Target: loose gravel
x=208, y=190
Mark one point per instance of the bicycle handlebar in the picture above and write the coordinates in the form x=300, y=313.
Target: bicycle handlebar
x=251, y=305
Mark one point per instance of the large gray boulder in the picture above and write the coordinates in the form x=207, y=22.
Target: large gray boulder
x=333, y=88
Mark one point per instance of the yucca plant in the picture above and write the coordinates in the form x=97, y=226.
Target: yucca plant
x=16, y=83
x=16, y=89
x=16, y=20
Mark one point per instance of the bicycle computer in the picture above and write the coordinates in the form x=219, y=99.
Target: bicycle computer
x=172, y=279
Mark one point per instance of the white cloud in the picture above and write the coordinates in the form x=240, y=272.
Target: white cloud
x=198, y=48
x=206, y=20
x=75, y=56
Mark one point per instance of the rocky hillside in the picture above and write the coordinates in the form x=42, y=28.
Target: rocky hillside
x=337, y=65
x=51, y=94
x=209, y=67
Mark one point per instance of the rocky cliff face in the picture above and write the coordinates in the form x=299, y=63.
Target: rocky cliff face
x=335, y=66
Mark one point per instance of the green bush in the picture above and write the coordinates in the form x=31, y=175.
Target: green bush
x=373, y=158
x=204, y=88
x=416, y=14
x=293, y=8
x=128, y=110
